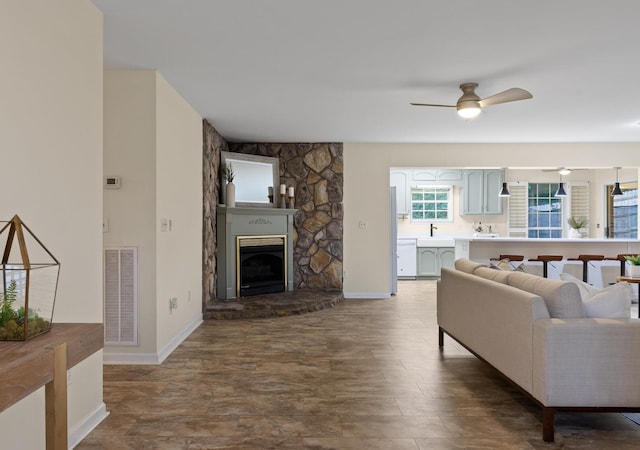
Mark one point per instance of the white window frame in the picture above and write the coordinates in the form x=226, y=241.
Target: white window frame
x=448, y=188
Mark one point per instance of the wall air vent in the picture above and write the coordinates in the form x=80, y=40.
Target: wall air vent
x=121, y=296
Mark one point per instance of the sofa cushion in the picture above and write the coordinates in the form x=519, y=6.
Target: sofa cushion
x=612, y=302
x=467, y=266
x=561, y=297
x=491, y=274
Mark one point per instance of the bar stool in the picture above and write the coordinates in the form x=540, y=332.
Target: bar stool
x=545, y=261
x=585, y=260
x=623, y=261
x=509, y=257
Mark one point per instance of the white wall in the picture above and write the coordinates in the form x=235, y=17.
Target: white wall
x=130, y=153
x=153, y=141
x=366, y=175
x=51, y=141
x=179, y=199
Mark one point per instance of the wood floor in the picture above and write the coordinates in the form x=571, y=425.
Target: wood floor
x=366, y=374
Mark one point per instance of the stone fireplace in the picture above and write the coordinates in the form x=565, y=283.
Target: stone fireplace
x=255, y=251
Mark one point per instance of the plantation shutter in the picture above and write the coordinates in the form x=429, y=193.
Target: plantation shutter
x=518, y=206
x=580, y=200
x=121, y=296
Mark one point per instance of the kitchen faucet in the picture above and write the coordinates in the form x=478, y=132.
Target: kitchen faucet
x=431, y=228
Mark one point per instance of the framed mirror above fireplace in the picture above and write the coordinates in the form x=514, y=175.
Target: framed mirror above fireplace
x=254, y=174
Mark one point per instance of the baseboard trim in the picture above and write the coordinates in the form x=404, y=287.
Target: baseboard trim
x=154, y=358
x=370, y=295
x=180, y=337
x=87, y=425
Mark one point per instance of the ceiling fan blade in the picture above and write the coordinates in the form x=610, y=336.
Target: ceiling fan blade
x=510, y=95
x=432, y=104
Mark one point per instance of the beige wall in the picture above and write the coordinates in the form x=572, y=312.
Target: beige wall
x=179, y=199
x=153, y=141
x=367, y=251
x=51, y=141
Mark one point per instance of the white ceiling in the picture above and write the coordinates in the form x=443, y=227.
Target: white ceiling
x=346, y=70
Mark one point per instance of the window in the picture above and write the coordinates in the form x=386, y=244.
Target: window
x=622, y=212
x=431, y=203
x=544, y=217
x=535, y=212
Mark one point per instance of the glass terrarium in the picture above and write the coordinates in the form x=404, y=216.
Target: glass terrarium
x=29, y=283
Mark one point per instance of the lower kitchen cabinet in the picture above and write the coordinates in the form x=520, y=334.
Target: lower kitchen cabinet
x=432, y=259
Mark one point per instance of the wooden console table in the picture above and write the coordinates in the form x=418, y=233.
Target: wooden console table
x=26, y=366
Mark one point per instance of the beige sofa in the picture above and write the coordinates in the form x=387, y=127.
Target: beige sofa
x=534, y=331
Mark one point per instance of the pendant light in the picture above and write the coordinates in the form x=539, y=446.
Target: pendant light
x=616, y=188
x=560, y=192
x=504, y=192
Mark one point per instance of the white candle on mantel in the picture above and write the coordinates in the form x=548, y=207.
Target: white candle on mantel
x=283, y=189
x=291, y=191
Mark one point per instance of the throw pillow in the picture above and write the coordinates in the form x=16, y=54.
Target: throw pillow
x=506, y=264
x=612, y=302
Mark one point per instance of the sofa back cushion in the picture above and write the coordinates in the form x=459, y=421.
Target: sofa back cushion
x=492, y=274
x=467, y=266
x=561, y=297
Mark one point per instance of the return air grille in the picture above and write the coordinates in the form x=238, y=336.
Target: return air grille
x=121, y=296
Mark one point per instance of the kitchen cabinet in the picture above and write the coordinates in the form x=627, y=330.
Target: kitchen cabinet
x=438, y=175
x=480, y=191
x=432, y=259
x=407, y=258
x=401, y=179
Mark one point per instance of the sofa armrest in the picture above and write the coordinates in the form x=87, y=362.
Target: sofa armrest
x=491, y=319
x=586, y=362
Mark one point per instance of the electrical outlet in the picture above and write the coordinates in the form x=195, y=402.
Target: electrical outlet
x=362, y=225
x=173, y=303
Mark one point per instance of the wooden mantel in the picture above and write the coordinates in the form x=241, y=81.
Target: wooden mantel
x=26, y=366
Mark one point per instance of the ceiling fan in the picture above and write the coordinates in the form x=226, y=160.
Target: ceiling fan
x=469, y=105
x=561, y=170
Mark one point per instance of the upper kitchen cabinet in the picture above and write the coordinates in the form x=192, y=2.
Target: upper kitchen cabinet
x=401, y=180
x=437, y=175
x=480, y=191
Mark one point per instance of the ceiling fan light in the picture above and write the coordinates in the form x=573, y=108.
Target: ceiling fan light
x=469, y=109
x=560, y=192
x=616, y=189
x=564, y=171
x=504, y=192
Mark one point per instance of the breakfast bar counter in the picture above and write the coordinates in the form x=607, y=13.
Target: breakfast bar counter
x=481, y=248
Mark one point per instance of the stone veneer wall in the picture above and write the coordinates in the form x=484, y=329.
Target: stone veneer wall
x=213, y=143
x=316, y=172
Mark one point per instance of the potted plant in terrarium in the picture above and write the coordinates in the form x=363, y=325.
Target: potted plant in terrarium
x=575, y=225
x=634, y=269
x=28, y=284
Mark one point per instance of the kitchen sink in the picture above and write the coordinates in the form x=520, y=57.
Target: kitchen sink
x=435, y=242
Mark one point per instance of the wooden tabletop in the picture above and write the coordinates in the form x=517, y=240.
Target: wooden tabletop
x=26, y=366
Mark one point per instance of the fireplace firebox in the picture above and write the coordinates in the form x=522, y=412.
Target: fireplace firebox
x=261, y=264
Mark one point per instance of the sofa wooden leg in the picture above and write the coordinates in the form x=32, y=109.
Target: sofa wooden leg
x=547, y=424
x=440, y=337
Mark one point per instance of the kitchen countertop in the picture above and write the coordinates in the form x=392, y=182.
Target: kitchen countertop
x=543, y=240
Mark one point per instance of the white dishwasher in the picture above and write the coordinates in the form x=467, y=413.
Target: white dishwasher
x=407, y=267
